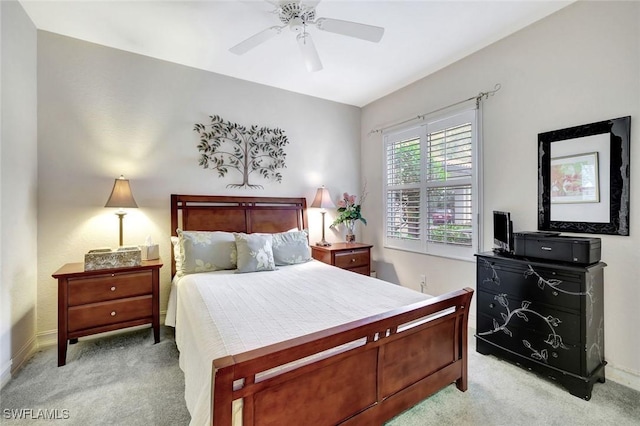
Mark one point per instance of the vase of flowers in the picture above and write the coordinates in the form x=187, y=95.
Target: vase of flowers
x=348, y=213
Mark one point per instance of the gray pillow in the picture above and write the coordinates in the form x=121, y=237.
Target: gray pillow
x=254, y=252
x=203, y=251
x=290, y=248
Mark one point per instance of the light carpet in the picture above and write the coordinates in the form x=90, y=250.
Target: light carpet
x=127, y=380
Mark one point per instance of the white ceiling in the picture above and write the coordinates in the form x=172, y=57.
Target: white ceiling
x=420, y=38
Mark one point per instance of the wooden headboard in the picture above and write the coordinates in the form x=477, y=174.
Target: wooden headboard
x=236, y=214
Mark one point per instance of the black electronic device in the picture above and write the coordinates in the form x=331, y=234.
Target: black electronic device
x=502, y=232
x=552, y=246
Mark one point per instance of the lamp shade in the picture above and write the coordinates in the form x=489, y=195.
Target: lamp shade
x=323, y=199
x=121, y=195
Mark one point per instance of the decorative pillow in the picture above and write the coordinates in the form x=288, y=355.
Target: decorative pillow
x=254, y=252
x=177, y=253
x=203, y=251
x=291, y=247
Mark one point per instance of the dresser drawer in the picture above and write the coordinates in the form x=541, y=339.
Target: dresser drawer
x=100, y=288
x=544, y=320
x=112, y=312
x=528, y=344
x=352, y=259
x=527, y=282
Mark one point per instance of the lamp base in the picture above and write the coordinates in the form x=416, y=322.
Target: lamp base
x=323, y=243
x=120, y=215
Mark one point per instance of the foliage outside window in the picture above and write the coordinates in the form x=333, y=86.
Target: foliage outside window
x=430, y=187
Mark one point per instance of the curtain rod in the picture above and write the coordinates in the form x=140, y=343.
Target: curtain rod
x=478, y=98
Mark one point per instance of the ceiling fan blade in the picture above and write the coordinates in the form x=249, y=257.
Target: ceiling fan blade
x=255, y=40
x=309, y=52
x=351, y=29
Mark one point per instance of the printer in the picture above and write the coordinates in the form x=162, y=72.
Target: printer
x=556, y=247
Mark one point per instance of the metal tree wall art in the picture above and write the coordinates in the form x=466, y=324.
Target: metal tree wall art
x=225, y=145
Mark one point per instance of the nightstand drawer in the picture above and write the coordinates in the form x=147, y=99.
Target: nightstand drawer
x=364, y=270
x=352, y=259
x=105, y=313
x=109, y=287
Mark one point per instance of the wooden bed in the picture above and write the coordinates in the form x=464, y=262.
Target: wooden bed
x=396, y=368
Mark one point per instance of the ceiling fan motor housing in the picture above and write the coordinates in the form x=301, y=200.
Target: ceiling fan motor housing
x=296, y=15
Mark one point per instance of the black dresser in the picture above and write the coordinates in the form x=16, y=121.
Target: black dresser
x=547, y=317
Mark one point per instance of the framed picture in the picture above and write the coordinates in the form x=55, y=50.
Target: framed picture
x=574, y=179
x=583, y=178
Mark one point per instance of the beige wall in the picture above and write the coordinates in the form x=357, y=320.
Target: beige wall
x=580, y=65
x=18, y=197
x=103, y=112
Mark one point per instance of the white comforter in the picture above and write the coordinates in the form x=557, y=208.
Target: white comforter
x=223, y=313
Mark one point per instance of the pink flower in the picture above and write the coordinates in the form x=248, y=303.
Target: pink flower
x=348, y=210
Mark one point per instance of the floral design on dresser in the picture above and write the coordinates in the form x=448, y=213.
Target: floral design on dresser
x=554, y=339
x=494, y=274
x=555, y=285
x=596, y=347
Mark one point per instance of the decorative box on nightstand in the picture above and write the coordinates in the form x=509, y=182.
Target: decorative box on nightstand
x=355, y=257
x=97, y=301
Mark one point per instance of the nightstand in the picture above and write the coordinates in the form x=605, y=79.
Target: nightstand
x=355, y=257
x=91, y=302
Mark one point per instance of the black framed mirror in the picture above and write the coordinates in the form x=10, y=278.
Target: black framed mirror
x=583, y=178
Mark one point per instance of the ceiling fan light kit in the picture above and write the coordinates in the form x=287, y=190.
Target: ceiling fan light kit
x=298, y=15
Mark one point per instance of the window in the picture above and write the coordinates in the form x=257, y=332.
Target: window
x=430, y=186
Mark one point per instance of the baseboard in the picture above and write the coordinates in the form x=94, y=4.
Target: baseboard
x=623, y=377
x=47, y=338
x=5, y=374
x=16, y=363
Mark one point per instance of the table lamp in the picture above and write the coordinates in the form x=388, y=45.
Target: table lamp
x=323, y=201
x=120, y=198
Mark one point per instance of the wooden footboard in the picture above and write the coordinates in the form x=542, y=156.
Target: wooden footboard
x=386, y=368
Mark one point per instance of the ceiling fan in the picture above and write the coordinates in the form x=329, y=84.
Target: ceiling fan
x=298, y=15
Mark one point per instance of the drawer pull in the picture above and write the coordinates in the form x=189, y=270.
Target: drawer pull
x=113, y=288
x=113, y=313
x=491, y=305
x=353, y=260
x=555, y=293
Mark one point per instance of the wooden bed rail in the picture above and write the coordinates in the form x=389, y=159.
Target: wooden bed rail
x=386, y=373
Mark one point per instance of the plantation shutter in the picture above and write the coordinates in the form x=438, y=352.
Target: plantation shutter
x=430, y=187
x=403, y=192
x=449, y=185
